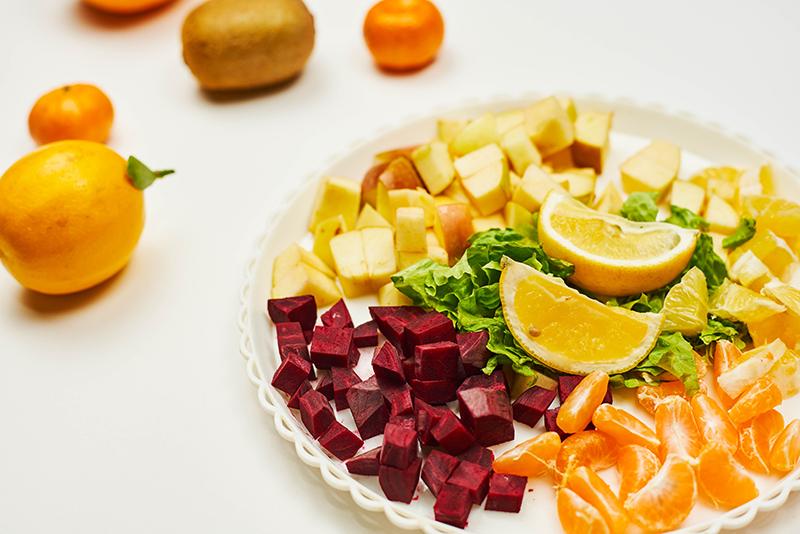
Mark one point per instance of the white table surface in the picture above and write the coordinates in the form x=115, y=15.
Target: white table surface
x=126, y=408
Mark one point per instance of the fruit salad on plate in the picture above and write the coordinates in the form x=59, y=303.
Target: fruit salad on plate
x=520, y=281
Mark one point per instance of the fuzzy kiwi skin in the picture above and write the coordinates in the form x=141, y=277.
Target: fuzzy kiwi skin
x=243, y=44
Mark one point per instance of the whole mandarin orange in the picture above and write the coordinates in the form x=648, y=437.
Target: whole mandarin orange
x=79, y=111
x=403, y=34
x=125, y=7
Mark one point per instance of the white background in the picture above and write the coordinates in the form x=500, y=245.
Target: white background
x=126, y=408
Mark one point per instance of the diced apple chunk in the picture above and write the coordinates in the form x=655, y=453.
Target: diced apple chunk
x=379, y=255
x=549, y=126
x=478, y=133
x=653, y=168
x=489, y=188
x=513, y=180
x=370, y=218
x=389, y=201
x=438, y=254
x=453, y=228
x=457, y=194
x=721, y=216
x=305, y=280
x=407, y=259
x=448, y=129
x=535, y=186
x=351, y=264
x=688, y=196
x=508, y=120
x=560, y=161
x=569, y=106
x=592, y=129
x=477, y=160
x=517, y=216
x=388, y=295
x=410, y=228
x=336, y=196
x=609, y=200
x=323, y=233
x=520, y=150
x=434, y=166
x=292, y=256
x=495, y=220
x=579, y=183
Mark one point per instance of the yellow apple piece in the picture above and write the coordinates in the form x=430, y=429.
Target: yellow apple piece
x=513, y=180
x=609, y=200
x=495, y=220
x=580, y=183
x=472, y=163
x=434, y=166
x=292, y=256
x=592, y=130
x=534, y=187
x=687, y=195
x=517, y=216
x=508, y=120
x=453, y=228
x=519, y=149
x=389, y=201
x=305, y=280
x=370, y=218
x=448, y=129
x=653, y=168
x=431, y=238
x=721, y=216
x=323, y=233
x=489, y=189
x=351, y=264
x=336, y=196
x=549, y=126
x=388, y=295
x=559, y=162
x=569, y=106
x=410, y=228
x=390, y=155
x=407, y=259
x=478, y=133
x=379, y=254
x=437, y=254
x=456, y=192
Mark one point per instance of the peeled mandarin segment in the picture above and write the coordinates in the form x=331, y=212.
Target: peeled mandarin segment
x=577, y=409
x=761, y=397
x=726, y=354
x=596, y=492
x=667, y=499
x=591, y=448
x=636, y=466
x=624, y=427
x=531, y=458
x=722, y=479
x=677, y=430
x=713, y=422
x=786, y=449
x=578, y=516
x=755, y=438
x=649, y=397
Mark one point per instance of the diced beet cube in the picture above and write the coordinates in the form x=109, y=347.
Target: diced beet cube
x=308, y=334
x=366, y=335
x=478, y=455
x=387, y=365
x=340, y=441
x=473, y=351
x=325, y=385
x=400, y=484
x=434, y=391
x=294, y=400
x=431, y=327
x=566, y=383
x=331, y=347
x=368, y=407
x=472, y=477
x=399, y=446
x=409, y=369
x=316, y=413
x=437, y=361
x=531, y=405
x=487, y=414
x=343, y=379
x=437, y=469
x=391, y=320
x=426, y=417
x=495, y=380
x=550, y=423
x=453, y=505
x=338, y=316
x=291, y=340
x=294, y=309
x=290, y=374
x=354, y=357
x=506, y=492
x=451, y=434
x=399, y=397
x=609, y=398
x=405, y=421
x=366, y=463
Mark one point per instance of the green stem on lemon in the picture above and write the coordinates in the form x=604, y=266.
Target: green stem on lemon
x=141, y=176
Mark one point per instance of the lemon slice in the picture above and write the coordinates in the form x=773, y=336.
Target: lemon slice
x=686, y=304
x=569, y=331
x=732, y=301
x=612, y=255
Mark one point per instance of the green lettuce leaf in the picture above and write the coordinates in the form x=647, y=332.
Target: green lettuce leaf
x=686, y=218
x=743, y=233
x=652, y=301
x=640, y=207
x=718, y=328
x=705, y=259
x=672, y=354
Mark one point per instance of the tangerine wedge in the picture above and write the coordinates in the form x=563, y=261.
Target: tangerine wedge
x=531, y=458
x=726, y=354
x=591, y=448
x=650, y=396
x=624, y=427
x=677, y=430
x=578, y=516
x=667, y=499
x=713, y=422
x=596, y=492
x=722, y=479
x=761, y=397
x=577, y=409
x=786, y=449
x=636, y=466
x=755, y=439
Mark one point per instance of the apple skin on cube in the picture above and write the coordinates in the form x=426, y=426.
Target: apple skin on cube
x=336, y=196
x=476, y=134
x=410, y=230
x=369, y=184
x=549, y=126
x=592, y=130
x=653, y=168
x=688, y=195
x=489, y=189
x=475, y=161
x=435, y=166
x=453, y=227
x=520, y=150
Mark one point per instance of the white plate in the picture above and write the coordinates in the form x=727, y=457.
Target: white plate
x=634, y=125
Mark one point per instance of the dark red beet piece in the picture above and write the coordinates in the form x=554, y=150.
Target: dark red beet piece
x=478, y=455
x=308, y=334
x=368, y=407
x=391, y=320
x=301, y=309
x=366, y=463
x=506, y=493
x=487, y=414
x=409, y=369
x=453, y=505
x=399, y=446
x=434, y=391
x=472, y=477
x=399, y=397
x=531, y=405
x=290, y=374
x=451, y=434
x=331, y=347
x=473, y=351
x=437, y=361
x=291, y=340
x=338, y=316
x=400, y=484
x=325, y=385
x=437, y=469
x=609, y=398
x=566, y=383
x=426, y=417
x=343, y=379
x=294, y=400
x=387, y=365
x=496, y=380
x=550, y=423
x=340, y=441
x=316, y=413
x=405, y=421
x=428, y=328
x=354, y=356
x=366, y=335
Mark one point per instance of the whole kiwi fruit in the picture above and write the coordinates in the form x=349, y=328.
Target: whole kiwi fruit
x=243, y=44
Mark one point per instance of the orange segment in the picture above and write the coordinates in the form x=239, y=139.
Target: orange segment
x=755, y=439
x=722, y=479
x=531, y=458
x=591, y=448
x=636, y=466
x=624, y=427
x=577, y=409
x=596, y=492
x=677, y=430
x=762, y=396
x=578, y=516
x=713, y=422
x=649, y=397
x=786, y=449
x=726, y=354
x=667, y=499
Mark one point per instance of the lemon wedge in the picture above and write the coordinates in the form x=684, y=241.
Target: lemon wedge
x=732, y=301
x=785, y=294
x=569, y=331
x=612, y=255
x=686, y=304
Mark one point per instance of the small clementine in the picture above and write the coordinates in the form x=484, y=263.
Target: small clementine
x=125, y=7
x=79, y=111
x=403, y=34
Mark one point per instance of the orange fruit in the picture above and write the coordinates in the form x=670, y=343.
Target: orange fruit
x=578, y=516
x=79, y=111
x=125, y=7
x=762, y=396
x=403, y=34
x=726, y=354
x=591, y=448
x=677, y=430
x=786, y=449
x=636, y=466
x=722, y=479
x=577, y=409
x=755, y=439
x=713, y=422
x=667, y=499
x=531, y=458
x=594, y=490
x=624, y=427
x=650, y=396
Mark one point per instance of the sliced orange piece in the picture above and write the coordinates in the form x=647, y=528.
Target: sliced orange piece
x=726, y=354
x=578, y=516
x=761, y=397
x=624, y=427
x=755, y=439
x=722, y=479
x=591, y=448
x=650, y=396
x=677, y=430
x=667, y=499
x=577, y=409
x=713, y=422
x=531, y=458
x=596, y=492
x=786, y=449
x=636, y=466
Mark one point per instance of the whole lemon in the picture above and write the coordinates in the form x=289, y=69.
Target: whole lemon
x=69, y=217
